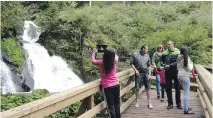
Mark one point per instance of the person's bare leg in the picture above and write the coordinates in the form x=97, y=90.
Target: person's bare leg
x=148, y=98
x=137, y=98
x=137, y=94
x=147, y=95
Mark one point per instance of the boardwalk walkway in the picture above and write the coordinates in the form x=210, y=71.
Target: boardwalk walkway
x=160, y=110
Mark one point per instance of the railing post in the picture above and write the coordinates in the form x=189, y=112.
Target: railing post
x=87, y=103
x=91, y=103
x=82, y=108
x=121, y=96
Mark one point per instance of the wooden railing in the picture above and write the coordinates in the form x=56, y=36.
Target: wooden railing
x=204, y=90
x=49, y=105
x=85, y=93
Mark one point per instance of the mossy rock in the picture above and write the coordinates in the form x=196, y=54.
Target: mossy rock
x=12, y=48
x=37, y=93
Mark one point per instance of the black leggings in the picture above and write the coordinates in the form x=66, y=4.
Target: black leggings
x=113, y=100
x=163, y=88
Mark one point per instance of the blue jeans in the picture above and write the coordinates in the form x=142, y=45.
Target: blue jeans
x=185, y=83
x=138, y=81
x=158, y=84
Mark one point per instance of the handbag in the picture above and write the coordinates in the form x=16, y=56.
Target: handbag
x=190, y=65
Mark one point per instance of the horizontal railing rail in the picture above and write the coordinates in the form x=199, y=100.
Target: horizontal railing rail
x=49, y=105
x=204, y=90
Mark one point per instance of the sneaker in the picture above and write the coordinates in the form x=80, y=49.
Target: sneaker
x=170, y=106
x=179, y=106
x=158, y=96
x=136, y=104
x=150, y=106
x=162, y=100
x=188, y=112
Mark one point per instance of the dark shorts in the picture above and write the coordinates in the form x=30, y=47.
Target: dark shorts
x=142, y=78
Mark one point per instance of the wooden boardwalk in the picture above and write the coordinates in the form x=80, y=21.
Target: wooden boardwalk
x=160, y=108
x=200, y=101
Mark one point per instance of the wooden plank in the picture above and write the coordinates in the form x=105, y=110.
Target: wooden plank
x=82, y=108
x=160, y=108
x=200, y=86
x=126, y=89
x=126, y=76
x=92, y=112
x=91, y=103
x=124, y=72
x=127, y=103
x=202, y=91
x=48, y=101
x=60, y=105
x=55, y=99
x=207, y=101
x=130, y=80
x=130, y=100
x=203, y=104
x=45, y=111
x=205, y=79
x=131, y=77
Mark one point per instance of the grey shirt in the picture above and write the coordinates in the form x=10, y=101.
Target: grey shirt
x=182, y=71
x=141, y=61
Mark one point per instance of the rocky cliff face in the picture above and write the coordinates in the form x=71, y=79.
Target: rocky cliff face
x=11, y=63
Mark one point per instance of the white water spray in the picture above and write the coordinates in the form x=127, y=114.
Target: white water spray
x=51, y=73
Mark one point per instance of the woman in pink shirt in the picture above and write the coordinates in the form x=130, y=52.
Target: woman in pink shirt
x=109, y=80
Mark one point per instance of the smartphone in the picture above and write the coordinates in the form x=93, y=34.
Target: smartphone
x=101, y=48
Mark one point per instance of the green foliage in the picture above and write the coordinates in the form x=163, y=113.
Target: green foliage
x=13, y=15
x=68, y=112
x=13, y=100
x=12, y=48
x=127, y=28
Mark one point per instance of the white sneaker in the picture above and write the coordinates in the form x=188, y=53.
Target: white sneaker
x=150, y=106
x=136, y=104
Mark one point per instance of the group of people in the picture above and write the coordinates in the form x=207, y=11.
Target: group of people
x=171, y=64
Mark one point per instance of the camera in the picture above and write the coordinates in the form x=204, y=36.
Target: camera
x=101, y=48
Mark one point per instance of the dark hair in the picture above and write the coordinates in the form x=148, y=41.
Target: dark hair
x=108, y=60
x=184, y=51
x=143, y=46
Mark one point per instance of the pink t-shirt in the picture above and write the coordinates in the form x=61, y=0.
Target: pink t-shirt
x=107, y=80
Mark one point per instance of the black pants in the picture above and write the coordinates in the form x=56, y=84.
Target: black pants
x=163, y=88
x=169, y=78
x=113, y=100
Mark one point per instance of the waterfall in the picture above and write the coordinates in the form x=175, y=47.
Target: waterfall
x=7, y=84
x=42, y=71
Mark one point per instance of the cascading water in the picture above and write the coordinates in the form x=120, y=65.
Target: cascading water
x=51, y=73
x=7, y=84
